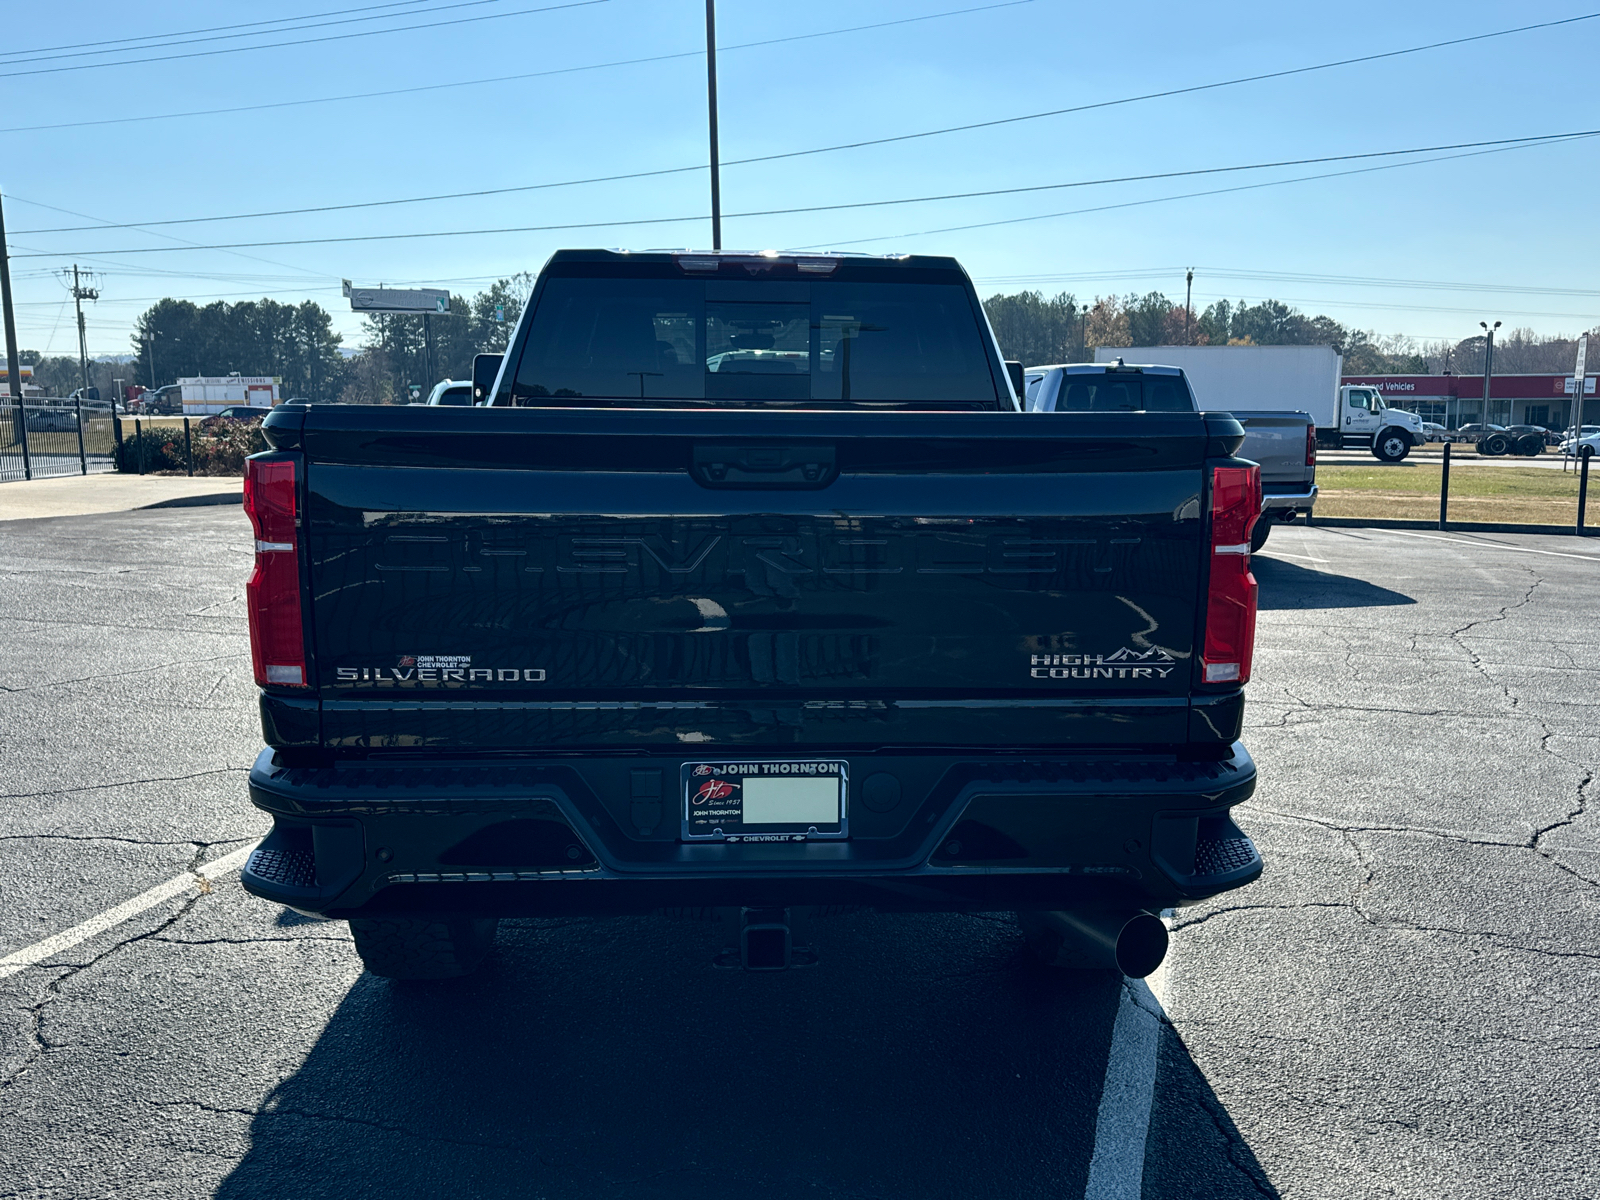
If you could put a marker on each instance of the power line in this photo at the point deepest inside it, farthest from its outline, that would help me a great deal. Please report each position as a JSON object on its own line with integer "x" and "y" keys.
{"x": 332, "y": 37}
{"x": 183, "y": 242}
{"x": 1245, "y": 187}
{"x": 434, "y": 87}
{"x": 1183, "y": 91}
{"x": 1040, "y": 187}
{"x": 209, "y": 29}
{"x": 1298, "y": 277}
{"x": 1500, "y": 145}
{"x": 1567, "y": 316}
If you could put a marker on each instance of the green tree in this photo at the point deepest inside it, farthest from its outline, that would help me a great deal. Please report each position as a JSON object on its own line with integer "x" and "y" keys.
{"x": 470, "y": 329}
{"x": 294, "y": 342}
{"x": 1035, "y": 331}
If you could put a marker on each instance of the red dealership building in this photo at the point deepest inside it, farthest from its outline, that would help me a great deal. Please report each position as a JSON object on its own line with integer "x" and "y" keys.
{"x": 1456, "y": 400}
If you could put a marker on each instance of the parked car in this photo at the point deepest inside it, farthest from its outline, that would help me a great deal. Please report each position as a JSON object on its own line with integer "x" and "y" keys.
{"x": 1434, "y": 432}
{"x": 452, "y": 392}
{"x": 1584, "y": 446}
{"x": 167, "y": 400}
{"x": 244, "y": 412}
{"x": 56, "y": 418}
{"x": 860, "y": 633}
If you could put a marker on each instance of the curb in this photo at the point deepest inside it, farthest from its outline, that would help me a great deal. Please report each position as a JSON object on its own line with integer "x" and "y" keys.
{"x": 196, "y": 501}
{"x": 1450, "y": 526}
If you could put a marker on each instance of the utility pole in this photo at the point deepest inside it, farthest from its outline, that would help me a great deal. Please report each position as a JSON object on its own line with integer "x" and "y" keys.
{"x": 81, "y": 293}
{"x": 1188, "y": 295}
{"x": 1488, "y": 365}
{"x": 711, "y": 98}
{"x": 13, "y": 363}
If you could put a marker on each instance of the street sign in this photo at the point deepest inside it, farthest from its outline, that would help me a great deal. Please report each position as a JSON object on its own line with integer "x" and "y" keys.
{"x": 399, "y": 300}
{"x": 500, "y": 313}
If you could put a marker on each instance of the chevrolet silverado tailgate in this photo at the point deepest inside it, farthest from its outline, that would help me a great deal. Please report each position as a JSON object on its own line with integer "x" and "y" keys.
{"x": 507, "y": 578}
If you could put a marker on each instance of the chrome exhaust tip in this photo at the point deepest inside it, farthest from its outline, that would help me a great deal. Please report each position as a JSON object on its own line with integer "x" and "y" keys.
{"x": 1134, "y": 943}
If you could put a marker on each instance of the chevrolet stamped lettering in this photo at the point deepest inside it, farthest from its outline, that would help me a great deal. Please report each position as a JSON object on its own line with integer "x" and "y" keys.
{"x": 712, "y": 554}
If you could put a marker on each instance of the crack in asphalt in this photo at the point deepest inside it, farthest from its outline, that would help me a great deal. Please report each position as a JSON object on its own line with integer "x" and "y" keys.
{"x": 1398, "y": 925}
{"x": 1503, "y": 614}
{"x": 132, "y": 841}
{"x": 186, "y": 662}
{"x": 99, "y": 787}
{"x": 52, "y": 991}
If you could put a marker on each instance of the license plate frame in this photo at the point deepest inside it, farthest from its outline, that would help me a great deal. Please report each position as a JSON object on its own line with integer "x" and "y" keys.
{"x": 713, "y": 797}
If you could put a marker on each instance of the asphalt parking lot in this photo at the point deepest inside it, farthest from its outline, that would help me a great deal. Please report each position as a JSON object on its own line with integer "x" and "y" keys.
{"x": 1404, "y": 1006}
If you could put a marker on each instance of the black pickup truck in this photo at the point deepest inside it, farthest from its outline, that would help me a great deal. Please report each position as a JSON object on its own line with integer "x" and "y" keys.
{"x": 750, "y": 592}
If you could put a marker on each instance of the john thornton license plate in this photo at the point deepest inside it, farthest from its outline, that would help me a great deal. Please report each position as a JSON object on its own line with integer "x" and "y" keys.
{"x": 791, "y": 800}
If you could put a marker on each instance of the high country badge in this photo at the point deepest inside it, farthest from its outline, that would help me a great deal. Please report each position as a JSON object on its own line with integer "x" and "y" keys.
{"x": 1125, "y": 663}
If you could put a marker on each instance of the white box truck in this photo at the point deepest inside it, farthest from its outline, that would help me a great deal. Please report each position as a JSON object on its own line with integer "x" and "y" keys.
{"x": 207, "y": 394}
{"x": 1249, "y": 379}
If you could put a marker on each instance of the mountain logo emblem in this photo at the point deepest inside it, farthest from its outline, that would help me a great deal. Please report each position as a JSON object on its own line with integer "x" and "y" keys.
{"x": 1153, "y": 655}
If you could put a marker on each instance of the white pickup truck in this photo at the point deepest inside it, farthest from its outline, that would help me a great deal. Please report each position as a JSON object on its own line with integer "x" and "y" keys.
{"x": 1288, "y": 379}
{"x": 1283, "y": 443}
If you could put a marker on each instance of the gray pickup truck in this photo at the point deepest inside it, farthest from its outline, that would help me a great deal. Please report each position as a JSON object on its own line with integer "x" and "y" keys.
{"x": 1284, "y": 443}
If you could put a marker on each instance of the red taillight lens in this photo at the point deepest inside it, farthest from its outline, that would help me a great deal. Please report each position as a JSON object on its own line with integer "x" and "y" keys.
{"x": 277, "y": 644}
{"x": 1311, "y": 445}
{"x": 1231, "y": 602}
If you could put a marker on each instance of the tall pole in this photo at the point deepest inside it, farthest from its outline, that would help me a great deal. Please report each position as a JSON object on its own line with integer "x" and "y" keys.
{"x": 1188, "y": 295}
{"x": 711, "y": 99}
{"x": 1488, "y": 364}
{"x": 79, "y": 295}
{"x": 13, "y": 363}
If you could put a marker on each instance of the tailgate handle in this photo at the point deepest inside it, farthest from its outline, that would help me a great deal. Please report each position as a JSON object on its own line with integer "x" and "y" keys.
{"x": 769, "y": 465}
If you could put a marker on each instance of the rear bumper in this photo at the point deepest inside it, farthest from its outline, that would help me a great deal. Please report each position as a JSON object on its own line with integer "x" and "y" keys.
{"x": 1299, "y": 499}
{"x": 560, "y": 835}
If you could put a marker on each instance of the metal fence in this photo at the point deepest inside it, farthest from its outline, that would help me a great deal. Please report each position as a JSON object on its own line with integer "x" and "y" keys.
{"x": 43, "y": 438}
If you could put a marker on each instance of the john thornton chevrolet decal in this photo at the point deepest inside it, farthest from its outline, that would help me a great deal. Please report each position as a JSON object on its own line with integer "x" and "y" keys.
{"x": 1125, "y": 663}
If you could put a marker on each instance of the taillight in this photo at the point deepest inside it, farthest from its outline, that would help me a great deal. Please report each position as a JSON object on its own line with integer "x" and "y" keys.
{"x": 1231, "y": 601}
{"x": 1311, "y": 445}
{"x": 277, "y": 643}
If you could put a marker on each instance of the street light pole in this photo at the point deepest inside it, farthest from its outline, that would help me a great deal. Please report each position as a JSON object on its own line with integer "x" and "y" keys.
{"x": 1188, "y": 295}
{"x": 711, "y": 98}
{"x": 1488, "y": 365}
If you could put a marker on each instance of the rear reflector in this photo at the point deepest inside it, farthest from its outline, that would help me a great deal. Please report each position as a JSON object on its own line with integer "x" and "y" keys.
{"x": 272, "y": 597}
{"x": 1231, "y": 600}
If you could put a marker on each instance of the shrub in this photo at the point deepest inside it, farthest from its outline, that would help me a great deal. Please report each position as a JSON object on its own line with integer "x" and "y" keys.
{"x": 219, "y": 446}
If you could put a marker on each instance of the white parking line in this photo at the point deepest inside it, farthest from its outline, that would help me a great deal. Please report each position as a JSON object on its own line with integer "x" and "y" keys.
{"x": 1116, "y": 1170}
{"x": 127, "y": 910}
{"x": 1433, "y": 537}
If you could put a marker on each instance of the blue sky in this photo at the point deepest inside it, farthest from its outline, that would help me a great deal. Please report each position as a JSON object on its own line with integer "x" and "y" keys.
{"x": 1512, "y": 228}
